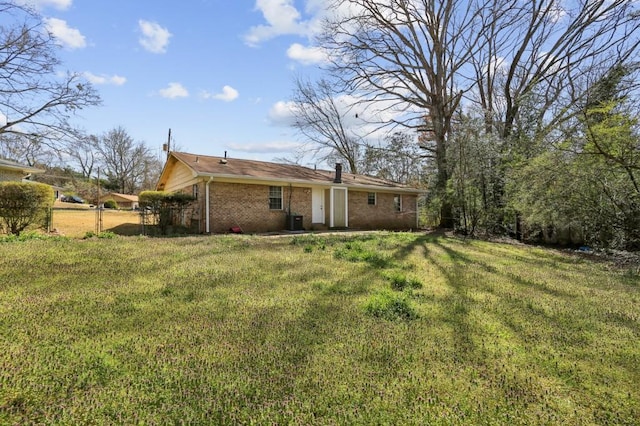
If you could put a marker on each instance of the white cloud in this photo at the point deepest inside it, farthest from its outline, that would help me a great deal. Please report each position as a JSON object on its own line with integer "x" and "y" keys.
{"x": 358, "y": 118}
{"x": 173, "y": 91}
{"x": 67, "y": 36}
{"x": 558, "y": 13}
{"x": 154, "y": 37}
{"x": 228, "y": 94}
{"x": 266, "y": 148}
{"x": 307, "y": 55}
{"x": 41, "y": 4}
{"x": 282, "y": 18}
{"x": 282, "y": 114}
{"x": 115, "y": 80}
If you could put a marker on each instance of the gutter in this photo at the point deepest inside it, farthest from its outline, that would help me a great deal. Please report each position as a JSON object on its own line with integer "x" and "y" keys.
{"x": 207, "y": 206}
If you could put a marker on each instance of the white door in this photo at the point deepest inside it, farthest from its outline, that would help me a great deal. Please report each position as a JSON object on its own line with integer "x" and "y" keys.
{"x": 339, "y": 203}
{"x": 317, "y": 205}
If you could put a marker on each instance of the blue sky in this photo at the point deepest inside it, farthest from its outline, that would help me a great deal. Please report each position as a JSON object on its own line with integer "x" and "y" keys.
{"x": 217, "y": 72}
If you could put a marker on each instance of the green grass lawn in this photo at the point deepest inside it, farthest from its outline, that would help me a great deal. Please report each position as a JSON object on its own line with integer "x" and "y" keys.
{"x": 378, "y": 328}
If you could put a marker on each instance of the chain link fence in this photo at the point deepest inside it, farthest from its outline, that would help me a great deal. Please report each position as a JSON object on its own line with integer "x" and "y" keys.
{"x": 18, "y": 221}
{"x": 170, "y": 220}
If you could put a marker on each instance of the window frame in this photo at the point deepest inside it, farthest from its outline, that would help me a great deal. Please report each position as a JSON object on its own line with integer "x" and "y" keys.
{"x": 397, "y": 203}
{"x": 369, "y": 199}
{"x": 274, "y": 199}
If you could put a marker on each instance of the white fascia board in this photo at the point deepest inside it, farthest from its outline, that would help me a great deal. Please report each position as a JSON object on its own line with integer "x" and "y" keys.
{"x": 240, "y": 178}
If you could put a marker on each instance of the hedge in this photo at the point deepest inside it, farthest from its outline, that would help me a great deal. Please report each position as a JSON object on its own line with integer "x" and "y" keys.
{"x": 24, "y": 204}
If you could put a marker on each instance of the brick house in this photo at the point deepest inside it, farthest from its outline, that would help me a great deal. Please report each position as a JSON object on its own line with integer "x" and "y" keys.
{"x": 259, "y": 196}
{"x": 12, "y": 171}
{"x": 124, "y": 201}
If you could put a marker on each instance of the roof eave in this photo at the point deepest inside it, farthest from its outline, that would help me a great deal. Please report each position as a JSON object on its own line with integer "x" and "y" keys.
{"x": 309, "y": 182}
{"x": 22, "y": 169}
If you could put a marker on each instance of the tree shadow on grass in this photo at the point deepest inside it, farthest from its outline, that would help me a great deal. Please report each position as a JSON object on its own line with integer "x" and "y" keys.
{"x": 420, "y": 243}
{"x": 540, "y": 315}
{"x": 126, "y": 229}
{"x": 458, "y": 303}
{"x": 280, "y": 354}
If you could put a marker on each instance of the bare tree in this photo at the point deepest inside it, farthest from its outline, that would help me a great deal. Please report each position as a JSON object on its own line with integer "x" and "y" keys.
{"x": 322, "y": 118}
{"x": 127, "y": 163}
{"x": 408, "y": 55}
{"x": 83, "y": 151}
{"x": 150, "y": 172}
{"x": 36, "y": 98}
{"x": 27, "y": 149}
{"x": 538, "y": 60}
{"x": 546, "y": 49}
{"x": 397, "y": 159}
{"x": 418, "y": 58}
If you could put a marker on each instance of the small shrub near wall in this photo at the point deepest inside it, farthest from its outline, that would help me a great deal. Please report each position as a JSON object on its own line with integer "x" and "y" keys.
{"x": 110, "y": 204}
{"x": 163, "y": 209}
{"x": 24, "y": 205}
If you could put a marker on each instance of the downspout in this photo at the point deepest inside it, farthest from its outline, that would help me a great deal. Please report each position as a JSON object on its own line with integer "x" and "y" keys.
{"x": 417, "y": 213}
{"x": 207, "y": 205}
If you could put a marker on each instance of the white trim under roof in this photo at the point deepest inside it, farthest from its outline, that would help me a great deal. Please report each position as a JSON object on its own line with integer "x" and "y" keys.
{"x": 232, "y": 178}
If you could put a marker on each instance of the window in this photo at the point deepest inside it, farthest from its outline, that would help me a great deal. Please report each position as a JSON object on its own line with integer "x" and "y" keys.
{"x": 195, "y": 191}
{"x": 275, "y": 198}
{"x": 397, "y": 203}
{"x": 371, "y": 199}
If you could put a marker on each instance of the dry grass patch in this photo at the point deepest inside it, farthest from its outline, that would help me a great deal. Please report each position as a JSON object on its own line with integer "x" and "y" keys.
{"x": 76, "y": 222}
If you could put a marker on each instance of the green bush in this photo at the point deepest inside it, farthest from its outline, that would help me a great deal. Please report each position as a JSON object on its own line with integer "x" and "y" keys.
{"x": 105, "y": 235}
{"x": 162, "y": 207}
{"x": 31, "y": 236}
{"x": 400, "y": 282}
{"x": 108, "y": 235}
{"x": 110, "y": 204}
{"x": 390, "y": 306}
{"x": 355, "y": 252}
{"x": 151, "y": 199}
{"x": 24, "y": 204}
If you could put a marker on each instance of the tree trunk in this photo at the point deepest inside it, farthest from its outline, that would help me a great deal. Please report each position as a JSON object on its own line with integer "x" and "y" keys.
{"x": 446, "y": 207}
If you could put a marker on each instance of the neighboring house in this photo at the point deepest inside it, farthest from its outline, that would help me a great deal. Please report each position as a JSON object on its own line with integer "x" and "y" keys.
{"x": 124, "y": 201}
{"x": 10, "y": 170}
{"x": 58, "y": 192}
{"x": 257, "y": 196}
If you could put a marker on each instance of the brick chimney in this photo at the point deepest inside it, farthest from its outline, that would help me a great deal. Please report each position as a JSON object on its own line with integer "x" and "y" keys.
{"x": 338, "y": 178}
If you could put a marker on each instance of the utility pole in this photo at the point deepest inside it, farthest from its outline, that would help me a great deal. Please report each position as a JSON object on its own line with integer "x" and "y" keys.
{"x": 98, "y": 207}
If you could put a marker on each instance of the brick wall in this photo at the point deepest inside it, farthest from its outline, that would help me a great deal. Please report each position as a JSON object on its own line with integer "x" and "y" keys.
{"x": 247, "y": 206}
{"x": 382, "y": 215}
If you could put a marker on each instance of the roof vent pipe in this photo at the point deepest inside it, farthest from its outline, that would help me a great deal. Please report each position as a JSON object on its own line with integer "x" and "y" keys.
{"x": 338, "y": 178}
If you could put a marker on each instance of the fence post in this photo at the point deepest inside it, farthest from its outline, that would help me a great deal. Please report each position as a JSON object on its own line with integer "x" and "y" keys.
{"x": 49, "y": 219}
